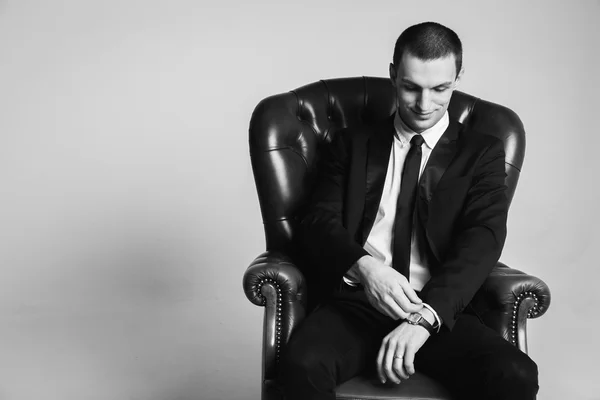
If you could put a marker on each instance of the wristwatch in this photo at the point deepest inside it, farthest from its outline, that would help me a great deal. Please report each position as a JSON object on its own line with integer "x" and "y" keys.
{"x": 417, "y": 319}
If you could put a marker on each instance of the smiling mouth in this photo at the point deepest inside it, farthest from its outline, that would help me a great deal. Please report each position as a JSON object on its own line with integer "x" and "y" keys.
{"x": 423, "y": 114}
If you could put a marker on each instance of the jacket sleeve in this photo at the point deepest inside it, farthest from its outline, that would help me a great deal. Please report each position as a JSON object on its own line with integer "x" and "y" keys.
{"x": 324, "y": 239}
{"x": 477, "y": 239}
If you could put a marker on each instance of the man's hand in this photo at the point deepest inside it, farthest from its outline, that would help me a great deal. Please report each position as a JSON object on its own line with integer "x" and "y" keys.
{"x": 387, "y": 290}
{"x": 396, "y": 357}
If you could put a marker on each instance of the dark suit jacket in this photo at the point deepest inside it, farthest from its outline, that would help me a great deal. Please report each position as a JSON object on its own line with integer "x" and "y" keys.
{"x": 461, "y": 209}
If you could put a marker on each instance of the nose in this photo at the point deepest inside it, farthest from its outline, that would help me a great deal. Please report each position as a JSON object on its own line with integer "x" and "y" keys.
{"x": 424, "y": 101}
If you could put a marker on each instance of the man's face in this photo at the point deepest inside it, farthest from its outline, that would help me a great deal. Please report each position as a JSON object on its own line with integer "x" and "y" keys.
{"x": 423, "y": 89}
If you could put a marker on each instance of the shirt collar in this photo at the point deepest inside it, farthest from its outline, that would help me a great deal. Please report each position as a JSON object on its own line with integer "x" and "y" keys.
{"x": 431, "y": 136}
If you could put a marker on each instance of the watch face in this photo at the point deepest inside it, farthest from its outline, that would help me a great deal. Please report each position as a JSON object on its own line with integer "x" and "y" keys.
{"x": 414, "y": 318}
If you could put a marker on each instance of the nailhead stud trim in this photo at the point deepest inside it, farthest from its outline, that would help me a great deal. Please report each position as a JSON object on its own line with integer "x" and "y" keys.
{"x": 277, "y": 315}
{"x": 530, "y": 314}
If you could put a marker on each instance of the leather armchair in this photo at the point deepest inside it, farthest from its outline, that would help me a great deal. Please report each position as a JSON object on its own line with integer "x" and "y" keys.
{"x": 286, "y": 132}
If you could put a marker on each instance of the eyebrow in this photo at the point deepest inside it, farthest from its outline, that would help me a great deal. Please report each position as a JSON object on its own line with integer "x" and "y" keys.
{"x": 414, "y": 84}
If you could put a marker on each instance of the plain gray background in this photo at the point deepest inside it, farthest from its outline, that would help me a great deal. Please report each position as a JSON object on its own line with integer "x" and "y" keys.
{"x": 128, "y": 211}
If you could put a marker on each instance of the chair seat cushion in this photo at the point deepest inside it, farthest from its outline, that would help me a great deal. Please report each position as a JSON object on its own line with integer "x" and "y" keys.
{"x": 418, "y": 387}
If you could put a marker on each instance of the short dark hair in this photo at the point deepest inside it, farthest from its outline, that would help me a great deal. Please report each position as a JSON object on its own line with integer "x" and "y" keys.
{"x": 429, "y": 41}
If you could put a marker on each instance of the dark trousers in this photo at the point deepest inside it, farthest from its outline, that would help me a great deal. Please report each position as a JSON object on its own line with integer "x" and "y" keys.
{"x": 341, "y": 338}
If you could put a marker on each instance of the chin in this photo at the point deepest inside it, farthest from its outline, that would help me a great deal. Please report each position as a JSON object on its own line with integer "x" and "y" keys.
{"x": 420, "y": 126}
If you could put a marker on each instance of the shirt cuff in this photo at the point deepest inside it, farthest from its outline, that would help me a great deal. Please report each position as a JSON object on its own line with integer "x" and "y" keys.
{"x": 435, "y": 315}
{"x": 349, "y": 281}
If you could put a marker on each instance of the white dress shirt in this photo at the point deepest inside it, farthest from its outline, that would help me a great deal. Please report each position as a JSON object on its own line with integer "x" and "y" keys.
{"x": 379, "y": 243}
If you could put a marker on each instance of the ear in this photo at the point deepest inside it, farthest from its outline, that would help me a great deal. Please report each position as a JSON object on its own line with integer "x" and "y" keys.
{"x": 458, "y": 78}
{"x": 393, "y": 74}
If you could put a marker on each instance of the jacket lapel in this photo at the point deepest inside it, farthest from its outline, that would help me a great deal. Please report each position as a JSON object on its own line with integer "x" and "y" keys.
{"x": 379, "y": 146}
{"x": 437, "y": 164}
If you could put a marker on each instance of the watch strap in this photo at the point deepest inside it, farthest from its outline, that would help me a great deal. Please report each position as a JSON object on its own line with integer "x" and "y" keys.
{"x": 421, "y": 322}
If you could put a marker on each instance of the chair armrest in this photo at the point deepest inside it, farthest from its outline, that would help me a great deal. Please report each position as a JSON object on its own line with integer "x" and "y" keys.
{"x": 273, "y": 281}
{"x": 507, "y": 298}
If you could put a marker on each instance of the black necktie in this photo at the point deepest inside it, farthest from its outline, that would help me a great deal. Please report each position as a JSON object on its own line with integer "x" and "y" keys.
{"x": 405, "y": 207}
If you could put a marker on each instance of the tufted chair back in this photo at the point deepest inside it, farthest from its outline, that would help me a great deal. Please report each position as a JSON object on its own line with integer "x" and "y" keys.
{"x": 288, "y": 129}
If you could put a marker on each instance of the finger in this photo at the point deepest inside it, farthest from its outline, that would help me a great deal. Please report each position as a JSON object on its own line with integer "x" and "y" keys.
{"x": 387, "y": 306}
{"x": 409, "y": 361}
{"x": 379, "y": 361}
{"x": 405, "y": 304}
{"x": 388, "y": 367}
{"x": 393, "y": 309}
{"x": 410, "y": 292}
{"x": 412, "y": 295}
{"x": 399, "y": 367}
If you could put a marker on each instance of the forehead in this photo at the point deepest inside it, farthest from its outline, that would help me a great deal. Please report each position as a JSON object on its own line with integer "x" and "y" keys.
{"x": 429, "y": 73}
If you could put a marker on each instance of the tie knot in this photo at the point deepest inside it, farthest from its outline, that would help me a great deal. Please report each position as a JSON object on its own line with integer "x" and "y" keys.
{"x": 417, "y": 140}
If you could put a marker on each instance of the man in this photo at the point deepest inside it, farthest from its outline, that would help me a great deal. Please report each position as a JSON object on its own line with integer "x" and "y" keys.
{"x": 409, "y": 218}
